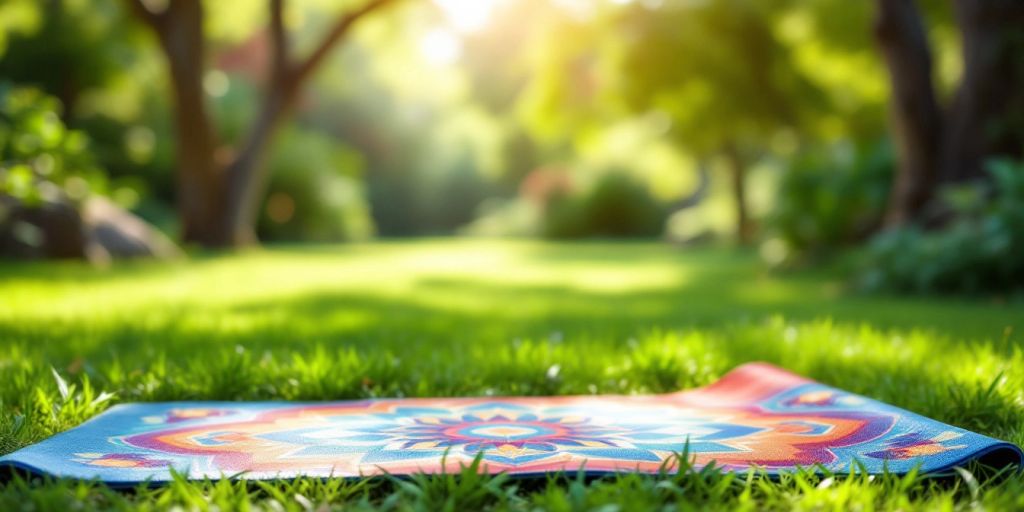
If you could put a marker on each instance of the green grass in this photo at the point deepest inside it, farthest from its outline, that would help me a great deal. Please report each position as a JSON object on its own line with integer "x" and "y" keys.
{"x": 455, "y": 318}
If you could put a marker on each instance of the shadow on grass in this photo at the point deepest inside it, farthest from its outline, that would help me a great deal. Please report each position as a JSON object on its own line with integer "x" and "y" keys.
{"x": 540, "y": 328}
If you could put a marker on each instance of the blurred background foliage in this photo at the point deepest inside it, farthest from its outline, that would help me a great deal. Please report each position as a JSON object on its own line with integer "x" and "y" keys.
{"x": 43, "y": 159}
{"x": 692, "y": 121}
{"x": 978, "y": 251}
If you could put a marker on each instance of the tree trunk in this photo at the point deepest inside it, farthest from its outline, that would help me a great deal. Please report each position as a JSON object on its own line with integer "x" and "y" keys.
{"x": 986, "y": 118}
{"x": 200, "y": 181}
{"x": 218, "y": 201}
{"x": 738, "y": 182}
{"x": 247, "y": 174}
{"x": 914, "y": 111}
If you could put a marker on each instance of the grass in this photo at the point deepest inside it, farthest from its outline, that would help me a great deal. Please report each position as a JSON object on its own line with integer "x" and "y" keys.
{"x": 447, "y": 318}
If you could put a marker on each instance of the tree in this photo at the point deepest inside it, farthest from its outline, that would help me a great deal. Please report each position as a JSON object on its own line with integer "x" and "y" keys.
{"x": 915, "y": 113}
{"x": 718, "y": 71}
{"x": 218, "y": 196}
{"x": 986, "y": 117}
{"x": 712, "y": 73}
{"x": 73, "y": 39}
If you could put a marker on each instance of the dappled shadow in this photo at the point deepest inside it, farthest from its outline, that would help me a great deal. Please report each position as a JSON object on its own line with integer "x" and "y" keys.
{"x": 711, "y": 290}
{"x": 519, "y": 319}
{"x": 502, "y": 339}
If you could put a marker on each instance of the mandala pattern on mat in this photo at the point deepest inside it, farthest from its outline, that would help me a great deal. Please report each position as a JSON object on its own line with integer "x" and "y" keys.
{"x": 757, "y": 416}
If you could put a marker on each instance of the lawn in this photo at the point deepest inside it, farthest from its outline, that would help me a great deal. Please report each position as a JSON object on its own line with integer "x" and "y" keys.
{"x": 461, "y": 318}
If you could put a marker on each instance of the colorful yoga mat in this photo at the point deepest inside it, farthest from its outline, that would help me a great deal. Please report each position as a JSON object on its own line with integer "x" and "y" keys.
{"x": 756, "y": 416}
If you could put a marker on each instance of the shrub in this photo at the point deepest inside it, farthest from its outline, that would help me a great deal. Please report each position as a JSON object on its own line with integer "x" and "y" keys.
{"x": 979, "y": 251}
{"x": 616, "y": 206}
{"x": 829, "y": 198}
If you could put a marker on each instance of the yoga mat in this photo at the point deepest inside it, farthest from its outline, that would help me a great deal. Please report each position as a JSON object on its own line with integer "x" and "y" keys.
{"x": 756, "y": 416}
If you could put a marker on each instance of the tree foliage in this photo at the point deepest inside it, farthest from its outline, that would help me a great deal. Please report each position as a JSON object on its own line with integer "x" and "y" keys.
{"x": 41, "y": 160}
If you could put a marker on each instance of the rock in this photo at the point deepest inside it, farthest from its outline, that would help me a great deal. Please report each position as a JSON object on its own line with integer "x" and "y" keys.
{"x": 112, "y": 232}
{"x": 52, "y": 230}
{"x": 98, "y": 231}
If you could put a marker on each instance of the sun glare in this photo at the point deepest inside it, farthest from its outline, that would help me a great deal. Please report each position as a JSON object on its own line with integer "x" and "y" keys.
{"x": 440, "y": 47}
{"x": 468, "y": 15}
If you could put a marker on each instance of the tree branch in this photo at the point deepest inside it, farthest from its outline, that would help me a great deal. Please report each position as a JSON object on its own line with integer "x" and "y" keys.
{"x": 340, "y": 28}
{"x": 279, "y": 42}
{"x": 246, "y": 174}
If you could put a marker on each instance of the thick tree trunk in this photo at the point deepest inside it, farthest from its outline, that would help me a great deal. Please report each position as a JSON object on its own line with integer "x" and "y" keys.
{"x": 738, "y": 184}
{"x": 986, "y": 118}
{"x": 201, "y": 183}
{"x": 914, "y": 111}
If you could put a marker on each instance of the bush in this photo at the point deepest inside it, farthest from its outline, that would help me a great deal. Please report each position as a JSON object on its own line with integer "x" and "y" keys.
{"x": 314, "y": 193}
{"x": 830, "y": 198}
{"x": 978, "y": 252}
{"x": 41, "y": 160}
{"x": 616, "y": 206}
